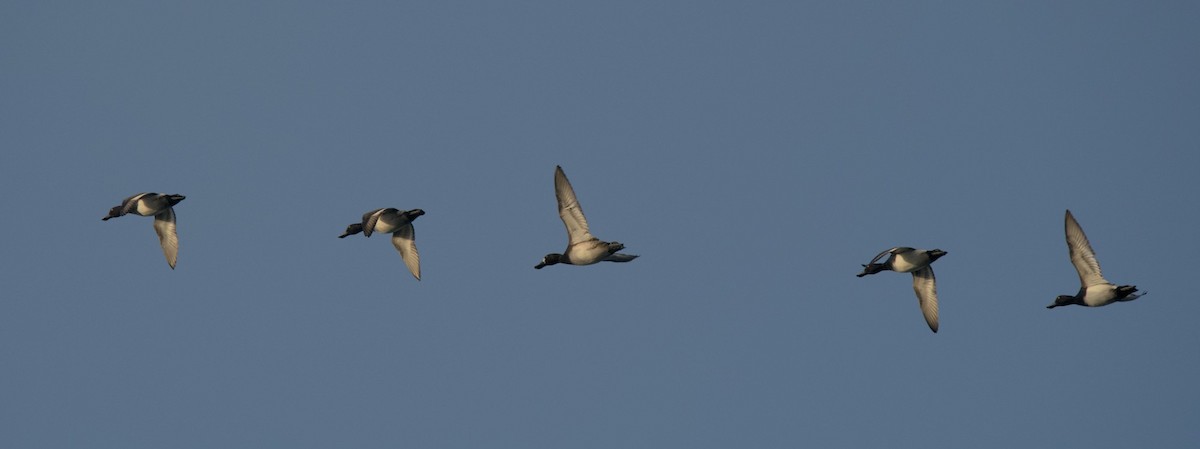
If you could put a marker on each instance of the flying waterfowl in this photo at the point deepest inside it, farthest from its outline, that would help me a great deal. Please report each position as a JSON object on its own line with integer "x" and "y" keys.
{"x": 582, "y": 247}
{"x": 903, "y": 259}
{"x": 160, "y": 207}
{"x": 1094, "y": 290}
{"x": 399, "y": 224}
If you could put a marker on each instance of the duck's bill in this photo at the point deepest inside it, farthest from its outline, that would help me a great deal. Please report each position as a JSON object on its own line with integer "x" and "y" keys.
{"x": 539, "y": 265}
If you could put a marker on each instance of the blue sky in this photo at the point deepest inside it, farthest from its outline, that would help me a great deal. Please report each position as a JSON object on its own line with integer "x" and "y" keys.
{"x": 753, "y": 153}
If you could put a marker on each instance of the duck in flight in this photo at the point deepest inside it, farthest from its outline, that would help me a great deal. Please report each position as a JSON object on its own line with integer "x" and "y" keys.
{"x": 902, "y": 259}
{"x": 399, "y": 224}
{"x": 582, "y": 247}
{"x": 161, "y": 208}
{"x": 1094, "y": 290}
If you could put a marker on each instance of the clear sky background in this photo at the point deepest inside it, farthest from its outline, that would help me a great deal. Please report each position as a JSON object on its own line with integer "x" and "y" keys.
{"x": 753, "y": 153}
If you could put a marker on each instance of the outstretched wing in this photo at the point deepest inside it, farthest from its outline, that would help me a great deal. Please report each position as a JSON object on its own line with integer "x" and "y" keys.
{"x": 569, "y": 210}
{"x": 1082, "y": 255}
{"x": 926, "y": 287}
{"x": 404, "y": 241}
{"x": 164, "y": 225}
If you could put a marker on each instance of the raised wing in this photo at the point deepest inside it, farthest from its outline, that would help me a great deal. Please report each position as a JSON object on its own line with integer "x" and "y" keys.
{"x": 370, "y": 219}
{"x": 569, "y": 210}
{"x": 895, "y": 250}
{"x": 164, "y": 225}
{"x": 926, "y": 287}
{"x": 1082, "y": 255}
{"x": 404, "y": 241}
{"x": 130, "y": 204}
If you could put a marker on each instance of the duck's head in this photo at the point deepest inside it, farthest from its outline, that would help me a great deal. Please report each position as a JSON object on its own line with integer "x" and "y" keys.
{"x": 416, "y": 213}
{"x": 550, "y": 259}
{"x": 174, "y": 199}
{"x": 113, "y": 213}
{"x": 354, "y": 228}
{"x": 872, "y": 269}
{"x": 1063, "y": 300}
{"x": 934, "y": 254}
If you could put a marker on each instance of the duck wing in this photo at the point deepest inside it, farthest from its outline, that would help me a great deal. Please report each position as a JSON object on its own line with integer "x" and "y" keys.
{"x": 618, "y": 257}
{"x": 370, "y": 219}
{"x": 895, "y": 250}
{"x": 164, "y": 225}
{"x": 925, "y": 285}
{"x": 569, "y": 210}
{"x": 1082, "y": 255}
{"x": 404, "y": 239}
{"x": 130, "y": 204}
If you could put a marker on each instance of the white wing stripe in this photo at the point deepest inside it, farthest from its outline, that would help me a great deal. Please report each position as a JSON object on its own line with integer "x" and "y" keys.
{"x": 404, "y": 239}
{"x": 164, "y": 225}
{"x": 1082, "y": 255}
{"x": 925, "y": 285}
{"x": 569, "y": 209}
